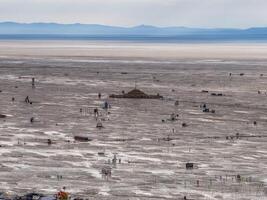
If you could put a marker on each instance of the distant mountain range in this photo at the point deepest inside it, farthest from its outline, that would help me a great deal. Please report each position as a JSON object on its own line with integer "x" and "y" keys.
{"x": 94, "y": 30}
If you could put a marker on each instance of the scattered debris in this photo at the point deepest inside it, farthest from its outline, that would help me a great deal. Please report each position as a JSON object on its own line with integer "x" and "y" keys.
{"x": 174, "y": 117}
{"x": 206, "y": 109}
{"x": 167, "y": 139}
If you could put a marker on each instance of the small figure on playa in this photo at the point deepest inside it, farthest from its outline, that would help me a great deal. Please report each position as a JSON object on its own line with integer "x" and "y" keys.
{"x": 27, "y": 99}
{"x": 96, "y": 112}
{"x": 114, "y": 160}
{"x": 33, "y": 82}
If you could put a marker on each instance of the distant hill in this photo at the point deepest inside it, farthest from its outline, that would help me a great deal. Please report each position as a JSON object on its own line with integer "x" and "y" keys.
{"x": 95, "y": 30}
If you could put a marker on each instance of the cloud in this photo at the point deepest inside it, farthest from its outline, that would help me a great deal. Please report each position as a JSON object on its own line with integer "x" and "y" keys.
{"x": 193, "y": 13}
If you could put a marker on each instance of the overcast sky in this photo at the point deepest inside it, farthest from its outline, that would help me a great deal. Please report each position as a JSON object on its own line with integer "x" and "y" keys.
{"x": 191, "y": 13}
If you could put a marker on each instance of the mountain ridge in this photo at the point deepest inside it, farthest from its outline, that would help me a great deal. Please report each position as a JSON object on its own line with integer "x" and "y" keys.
{"x": 98, "y": 30}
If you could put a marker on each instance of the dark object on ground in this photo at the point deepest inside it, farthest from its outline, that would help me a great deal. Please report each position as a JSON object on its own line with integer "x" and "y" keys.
{"x": 2, "y": 116}
{"x": 82, "y": 138}
{"x": 32, "y": 119}
{"x": 174, "y": 117}
{"x": 217, "y": 94}
{"x": 124, "y": 73}
{"x": 49, "y": 141}
{"x": 32, "y": 196}
{"x": 189, "y": 165}
{"x": 136, "y": 94}
{"x": 184, "y": 125}
{"x": 48, "y": 198}
{"x": 101, "y": 153}
{"x": 255, "y": 123}
{"x": 205, "y": 91}
{"x": 241, "y": 74}
{"x": 13, "y": 98}
{"x": 206, "y": 110}
{"x": 167, "y": 138}
{"x": 203, "y": 106}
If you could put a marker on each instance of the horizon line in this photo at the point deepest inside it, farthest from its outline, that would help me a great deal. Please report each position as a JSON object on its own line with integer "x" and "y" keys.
{"x": 133, "y": 26}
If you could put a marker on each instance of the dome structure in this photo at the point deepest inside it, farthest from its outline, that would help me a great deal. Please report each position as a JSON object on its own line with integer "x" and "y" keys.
{"x": 136, "y": 94}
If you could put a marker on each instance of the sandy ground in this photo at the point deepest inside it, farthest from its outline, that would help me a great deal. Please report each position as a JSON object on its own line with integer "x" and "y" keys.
{"x": 151, "y": 167}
